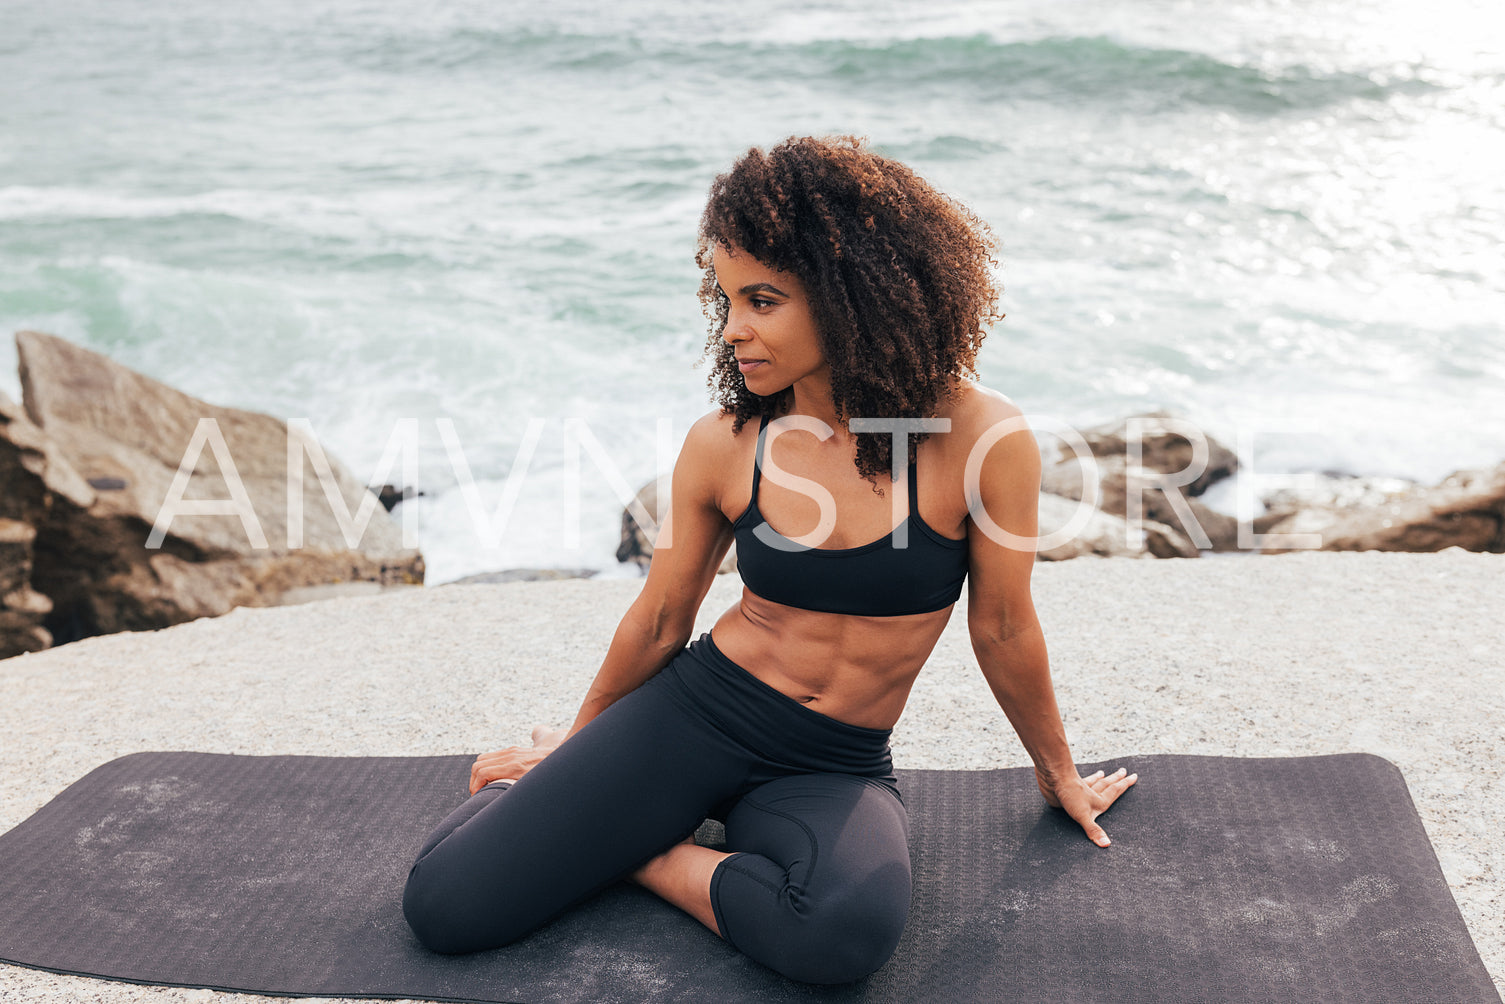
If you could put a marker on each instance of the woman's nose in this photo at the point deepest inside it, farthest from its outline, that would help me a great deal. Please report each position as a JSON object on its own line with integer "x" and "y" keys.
{"x": 735, "y": 330}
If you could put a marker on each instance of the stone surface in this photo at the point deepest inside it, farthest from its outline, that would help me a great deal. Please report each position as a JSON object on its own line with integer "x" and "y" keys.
{"x": 1293, "y": 655}
{"x": 336, "y": 591}
{"x": 1466, "y": 509}
{"x": 90, "y": 420}
{"x": 524, "y": 575}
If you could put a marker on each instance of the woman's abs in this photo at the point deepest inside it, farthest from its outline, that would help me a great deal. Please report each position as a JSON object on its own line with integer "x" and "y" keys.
{"x": 854, "y": 669}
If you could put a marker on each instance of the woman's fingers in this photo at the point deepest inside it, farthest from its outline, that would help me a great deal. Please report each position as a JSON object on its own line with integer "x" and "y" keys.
{"x": 1106, "y": 788}
{"x": 488, "y": 767}
{"x": 1115, "y": 784}
{"x": 1100, "y": 783}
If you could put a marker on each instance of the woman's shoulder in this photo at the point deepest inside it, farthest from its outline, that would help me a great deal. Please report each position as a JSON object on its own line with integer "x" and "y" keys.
{"x": 718, "y": 459}
{"x": 976, "y": 410}
{"x": 715, "y": 432}
{"x": 713, "y": 442}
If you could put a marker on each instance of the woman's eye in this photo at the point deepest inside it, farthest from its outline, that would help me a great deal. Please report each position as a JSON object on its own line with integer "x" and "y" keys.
{"x": 760, "y": 302}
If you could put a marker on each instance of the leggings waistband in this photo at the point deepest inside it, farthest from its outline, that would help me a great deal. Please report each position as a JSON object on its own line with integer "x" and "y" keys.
{"x": 763, "y": 718}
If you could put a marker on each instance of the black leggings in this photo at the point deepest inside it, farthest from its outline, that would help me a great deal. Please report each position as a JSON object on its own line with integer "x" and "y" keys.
{"x": 816, "y": 887}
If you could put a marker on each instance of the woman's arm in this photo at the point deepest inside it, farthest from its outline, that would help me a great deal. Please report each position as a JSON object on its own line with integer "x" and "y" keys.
{"x": 1006, "y": 634}
{"x": 691, "y": 544}
{"x": 692, "y": 541}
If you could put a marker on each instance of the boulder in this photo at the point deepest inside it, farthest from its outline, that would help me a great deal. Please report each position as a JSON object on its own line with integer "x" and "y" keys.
{"x": 1104, "y": 535}
{"x": 1164, "y": 447}
{"x": 1466, "y": 509}
{"x": 1208, "y": 529}
{"x": 637, "y": 544}
{"x": 112, "y": 444}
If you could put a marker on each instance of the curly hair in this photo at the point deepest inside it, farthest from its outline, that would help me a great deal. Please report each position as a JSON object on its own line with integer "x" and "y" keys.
{"x": 897, "y": 275}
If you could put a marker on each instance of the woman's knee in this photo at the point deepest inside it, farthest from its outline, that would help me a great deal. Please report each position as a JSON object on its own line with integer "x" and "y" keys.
{"x": 846, "y": 937}
{"x": 450, "y": 914}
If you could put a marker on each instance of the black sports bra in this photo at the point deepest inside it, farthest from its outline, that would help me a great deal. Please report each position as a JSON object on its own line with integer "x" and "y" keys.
{"x": 876, "y": 578}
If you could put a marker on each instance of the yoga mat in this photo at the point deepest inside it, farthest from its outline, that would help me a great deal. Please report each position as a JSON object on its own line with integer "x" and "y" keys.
{"x": 1305, "y": 879}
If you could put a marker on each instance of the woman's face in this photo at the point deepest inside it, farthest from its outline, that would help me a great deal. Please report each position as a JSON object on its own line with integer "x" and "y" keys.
{"x": 769, "y": 323}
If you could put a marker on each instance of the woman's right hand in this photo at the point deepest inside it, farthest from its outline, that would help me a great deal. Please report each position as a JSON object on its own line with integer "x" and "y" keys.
{"x": 514, "y": 761}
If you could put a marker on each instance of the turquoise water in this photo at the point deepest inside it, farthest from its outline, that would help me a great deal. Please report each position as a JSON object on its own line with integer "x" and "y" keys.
{"x": 1270, "y": 217}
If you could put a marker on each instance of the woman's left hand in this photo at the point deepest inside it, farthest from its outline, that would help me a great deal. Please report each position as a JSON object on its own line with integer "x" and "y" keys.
{"x": 1086, "y": 798}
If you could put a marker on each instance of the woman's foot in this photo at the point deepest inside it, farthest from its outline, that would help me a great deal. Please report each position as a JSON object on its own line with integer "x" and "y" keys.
{"x": 658, "y": 862}
{"x": 682, "y": 875}
{"x": 544, "y": 735}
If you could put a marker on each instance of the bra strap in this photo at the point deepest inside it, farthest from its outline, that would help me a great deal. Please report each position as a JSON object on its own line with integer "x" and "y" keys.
{"x": 758, "y": 459}
{"x": 914, "y": 489}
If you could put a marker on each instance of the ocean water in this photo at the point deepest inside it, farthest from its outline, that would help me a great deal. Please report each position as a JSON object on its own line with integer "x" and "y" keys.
{"x": 1282, "y": 220}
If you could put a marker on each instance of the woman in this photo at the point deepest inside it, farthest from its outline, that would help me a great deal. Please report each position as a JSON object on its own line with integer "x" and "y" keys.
{"x": 841, "y": 287}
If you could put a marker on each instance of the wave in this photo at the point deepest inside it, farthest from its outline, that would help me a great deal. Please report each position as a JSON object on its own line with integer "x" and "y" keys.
{"x": 1095, "y": 66}
{"x": 1060, "y": 68}
{"x": 361, "y": 217}
{"x": 19, "y": 202}
{"x": 485, "y": 48}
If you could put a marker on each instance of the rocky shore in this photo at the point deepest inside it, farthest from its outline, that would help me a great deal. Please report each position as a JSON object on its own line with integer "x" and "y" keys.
{"x": 114, "y": 513}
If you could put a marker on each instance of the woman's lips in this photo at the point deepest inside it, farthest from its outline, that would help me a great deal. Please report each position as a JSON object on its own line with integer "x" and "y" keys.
{"x": 748, "y": 364}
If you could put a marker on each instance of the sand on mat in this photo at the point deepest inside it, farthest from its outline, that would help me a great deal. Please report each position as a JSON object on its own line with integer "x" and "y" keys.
{"x": 1394, "y": 654}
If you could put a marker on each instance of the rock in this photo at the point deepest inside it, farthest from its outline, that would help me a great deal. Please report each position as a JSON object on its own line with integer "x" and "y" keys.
{"x": 21, "y": 607}
{"x": 391, "y": 495}
{"x": 1208, "y": 529}
{"x": 1104, "y": 535}
{"x": 637, "y": 545}
{"x": 1164, "y": 541}
{"x": 1467, "y": 510}
{"x": 1166, "y": 451}
{"x": 93, "y": 421}
{"x": 33, "y": 480}
{"x": 1164, "y": 447}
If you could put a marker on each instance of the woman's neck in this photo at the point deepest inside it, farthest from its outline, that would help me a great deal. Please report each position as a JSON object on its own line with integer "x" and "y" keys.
{"x": 813, "y": 399}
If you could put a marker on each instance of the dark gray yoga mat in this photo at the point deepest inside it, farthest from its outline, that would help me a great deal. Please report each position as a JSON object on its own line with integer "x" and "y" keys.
{"x": 1305, "y": 879}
